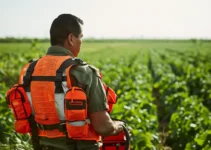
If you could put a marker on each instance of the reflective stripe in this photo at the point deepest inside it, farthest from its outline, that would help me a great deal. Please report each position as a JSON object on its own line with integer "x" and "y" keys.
{"x": 30, "y": 100}
{"x": 79, "y": 123}
{"x": 59, "y": 100}
{"x": 59, "y": 103}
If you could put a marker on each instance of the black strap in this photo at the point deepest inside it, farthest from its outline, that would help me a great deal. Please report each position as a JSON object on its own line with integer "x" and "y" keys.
{"x": 30, "y": 70}
{"x": 35, "y": 138}
{"x": 60, "y": 126}
{"x": 44, "y": 78}
{"x": 47, "y": 78}
{"x": 59, "y": 72}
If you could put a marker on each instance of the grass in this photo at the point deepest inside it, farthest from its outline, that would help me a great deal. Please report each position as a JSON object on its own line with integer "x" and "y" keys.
{"x": 92, "y": 51}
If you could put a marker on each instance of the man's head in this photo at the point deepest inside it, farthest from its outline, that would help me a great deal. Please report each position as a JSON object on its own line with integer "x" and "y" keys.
{"x": 66, "y": 31}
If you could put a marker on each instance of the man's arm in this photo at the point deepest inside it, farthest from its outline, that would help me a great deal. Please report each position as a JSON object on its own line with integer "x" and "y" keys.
{"x": 98, "y": 115}
{"x": 97, "y": 103}
{"x": 103, "y": 124}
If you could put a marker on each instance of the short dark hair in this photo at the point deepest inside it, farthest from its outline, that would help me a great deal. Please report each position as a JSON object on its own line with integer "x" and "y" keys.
{"x": 62, "y": 26}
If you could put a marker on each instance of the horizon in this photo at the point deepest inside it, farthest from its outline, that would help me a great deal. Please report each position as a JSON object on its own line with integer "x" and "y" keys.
{"x": 91, "y": 38}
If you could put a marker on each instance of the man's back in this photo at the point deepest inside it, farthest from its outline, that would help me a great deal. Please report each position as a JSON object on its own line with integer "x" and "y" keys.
{"x": 81, "y": 75}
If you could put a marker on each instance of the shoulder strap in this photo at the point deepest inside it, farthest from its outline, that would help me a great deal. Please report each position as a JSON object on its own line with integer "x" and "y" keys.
{"x": 35, "y": 137}
{"x": 66, "y": 65}
{"x": 72, "y": 80}
{"x": 69, "y": 85}
{"x": 30, "y": 70}
{"x": 58, "y": 79}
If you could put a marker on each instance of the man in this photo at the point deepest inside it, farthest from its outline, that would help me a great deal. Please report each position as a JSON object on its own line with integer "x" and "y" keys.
{"x": 66, "y": 39}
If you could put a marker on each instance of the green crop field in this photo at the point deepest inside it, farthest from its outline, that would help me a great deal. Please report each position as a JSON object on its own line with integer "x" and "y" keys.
{"x": 164, "y": 89}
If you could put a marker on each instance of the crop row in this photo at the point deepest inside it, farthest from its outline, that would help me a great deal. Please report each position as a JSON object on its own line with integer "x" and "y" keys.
{"x": 182, "y": 85}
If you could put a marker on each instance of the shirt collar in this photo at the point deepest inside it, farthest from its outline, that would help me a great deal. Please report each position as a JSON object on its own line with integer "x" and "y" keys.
{"x": 59, "y": 51}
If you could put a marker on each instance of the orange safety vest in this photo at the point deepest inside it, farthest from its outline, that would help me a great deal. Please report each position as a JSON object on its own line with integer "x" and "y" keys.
{"x": 58, "y": 108}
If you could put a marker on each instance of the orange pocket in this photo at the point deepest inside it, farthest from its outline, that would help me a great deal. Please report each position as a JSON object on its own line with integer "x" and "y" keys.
{"x": 22, "y": 126}
{"x": 21, "y": 110}
{"x": 75, "y": 105}
{"x": 73, "y": 115}
{"x": 77, "y": 131}
{"x": 18, "y": 102}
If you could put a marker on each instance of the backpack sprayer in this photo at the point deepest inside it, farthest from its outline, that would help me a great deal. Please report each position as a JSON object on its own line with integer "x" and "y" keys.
{"x": 122, "y": 140}
{"x": 118, "y": 142}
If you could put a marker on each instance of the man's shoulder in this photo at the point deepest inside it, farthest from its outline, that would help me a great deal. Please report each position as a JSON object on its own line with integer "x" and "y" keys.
{"x": 83, "y": 67}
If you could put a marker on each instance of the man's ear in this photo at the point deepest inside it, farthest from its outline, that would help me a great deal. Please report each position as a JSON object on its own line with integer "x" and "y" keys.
{"x": 70, "y": 39}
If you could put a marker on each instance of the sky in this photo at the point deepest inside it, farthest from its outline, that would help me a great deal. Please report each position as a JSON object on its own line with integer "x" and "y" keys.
{"x": 109, "y": 18}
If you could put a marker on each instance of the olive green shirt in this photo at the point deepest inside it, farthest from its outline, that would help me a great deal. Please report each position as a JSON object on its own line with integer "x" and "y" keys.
{"x": 89, "y": 77}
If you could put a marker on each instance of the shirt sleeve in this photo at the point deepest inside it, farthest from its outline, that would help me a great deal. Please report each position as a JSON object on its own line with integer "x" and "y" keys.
{"x": 97, "y": 97}
{"x": 94, "y": 89}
